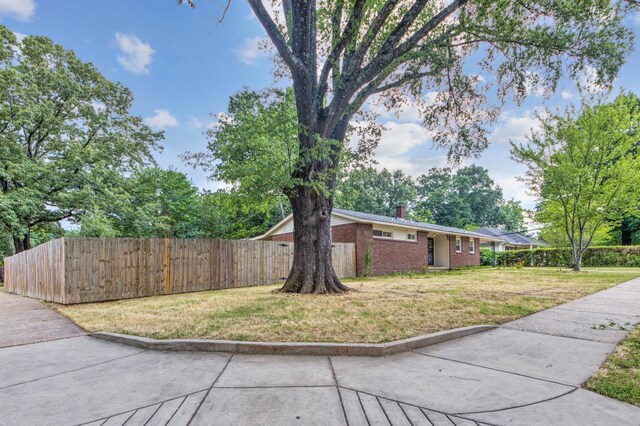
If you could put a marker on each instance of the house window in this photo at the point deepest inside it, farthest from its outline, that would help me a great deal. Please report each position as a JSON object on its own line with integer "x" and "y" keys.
{"x": 458, "y": 245}
{"x": 381, "y": 233}
{"x": 472, "y": 246}
{"x": 411, "y": 237}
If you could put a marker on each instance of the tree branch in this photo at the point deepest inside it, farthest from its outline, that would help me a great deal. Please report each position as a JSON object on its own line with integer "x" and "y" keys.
{"x": 295, "y": 64}
{"x": 350, "y": 31}
{"x": 390, "y": 51}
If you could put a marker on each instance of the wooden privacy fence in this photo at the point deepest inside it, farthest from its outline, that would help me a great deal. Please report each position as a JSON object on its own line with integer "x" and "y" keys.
{"x": 81, "y": 270}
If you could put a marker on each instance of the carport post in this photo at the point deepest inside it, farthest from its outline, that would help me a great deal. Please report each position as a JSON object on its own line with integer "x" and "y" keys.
{"x": 493, "y": 251}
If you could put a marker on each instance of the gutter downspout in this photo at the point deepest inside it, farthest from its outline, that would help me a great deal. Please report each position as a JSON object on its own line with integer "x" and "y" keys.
{"x": 449, "y": 249}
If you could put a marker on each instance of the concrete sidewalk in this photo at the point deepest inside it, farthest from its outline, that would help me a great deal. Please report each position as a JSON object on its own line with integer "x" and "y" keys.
{"x": 528, "y": 372}
{"x": 24, "y": 320}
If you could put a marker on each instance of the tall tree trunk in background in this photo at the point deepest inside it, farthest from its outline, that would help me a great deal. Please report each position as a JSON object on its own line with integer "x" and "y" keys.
{"x": 626, "y": 232}
{"x": 577, "y": 262}
{"x": 23, "y": 243}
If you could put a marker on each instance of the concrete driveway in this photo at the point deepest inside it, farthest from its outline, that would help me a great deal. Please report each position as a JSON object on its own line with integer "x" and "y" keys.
{"x": 528, "y": 372}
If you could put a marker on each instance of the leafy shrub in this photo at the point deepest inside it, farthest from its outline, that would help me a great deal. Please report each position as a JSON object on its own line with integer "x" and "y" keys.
{"x": 486, "y": 257}
{"x": 557, "y": 257}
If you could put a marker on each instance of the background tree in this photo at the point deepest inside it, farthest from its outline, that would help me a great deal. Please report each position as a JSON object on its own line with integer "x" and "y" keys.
{"x": 229, "y": 215}
{"x": 66, "y": 136}
{"x": 340, "y": 53}
{"x": 370, "y": 191}
{"x": 156, "y": 203}
{"x": 583, "y": 170}
{"x": 468, "y": 198}
{"x": 159, "y": 203}
{"x": 253, "y": 148}
{"x": 627, "y": 231}
{"x": 512, "y": 215}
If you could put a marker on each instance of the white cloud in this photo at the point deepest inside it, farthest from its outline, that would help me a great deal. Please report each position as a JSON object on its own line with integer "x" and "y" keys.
{"x": 405, "y": 112}
{"x": 399, "y": 138}
{"x": 516, "y": 189}
{"x": 251, "y": 52}
{"x": 636, "y": 19}
{"x": 19, "y": 36}
{"x": 196, "y": 123}
{"x": 589, "y": 80}
{"x": 413, "y": 165}
{"x": 515, "y": 128}
{"x": 161, "y": 119}
{"x": 135, "y": 54}
{"x": 566, "y": 94}
{"x": 20, "y": 10}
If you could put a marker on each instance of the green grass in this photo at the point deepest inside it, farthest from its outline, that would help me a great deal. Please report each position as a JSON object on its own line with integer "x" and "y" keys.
{"x": 619, "y": 376}
{"x": 378, "y": 309}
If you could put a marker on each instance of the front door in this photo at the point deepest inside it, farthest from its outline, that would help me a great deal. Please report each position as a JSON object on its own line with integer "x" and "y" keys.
{"x": 430, "y": 257}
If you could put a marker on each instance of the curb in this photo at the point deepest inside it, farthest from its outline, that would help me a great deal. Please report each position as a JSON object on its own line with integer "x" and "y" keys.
{"x": 293, "y": 348}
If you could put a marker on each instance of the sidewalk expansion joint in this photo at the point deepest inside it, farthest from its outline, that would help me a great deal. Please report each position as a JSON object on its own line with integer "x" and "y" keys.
{"x": 133, "y": 410}
{"x": 560, "y": 335}
{"x": 497, "y": 369}
{"x": 561, "y": 307}
{"x": 335, "y": 381}
{"x": 84, "y": 334}
{"x": 518, "y": 406}
{"x": 206, "y": 395}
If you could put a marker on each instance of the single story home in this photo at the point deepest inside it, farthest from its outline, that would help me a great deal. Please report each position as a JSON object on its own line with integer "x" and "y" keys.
{"x": 394, "y": 244}
{"x": 510, "y": 240}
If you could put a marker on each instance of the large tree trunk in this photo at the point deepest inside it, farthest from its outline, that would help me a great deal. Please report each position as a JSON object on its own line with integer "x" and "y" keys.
{"x": 23, "y": 243}
{"x": 576, "y": 266}
{"x": 577, "y": 257}
{"x": 312, "y": 270}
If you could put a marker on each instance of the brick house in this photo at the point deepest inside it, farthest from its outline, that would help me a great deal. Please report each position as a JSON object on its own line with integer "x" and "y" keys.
{"x": 394, "y": 244}
{"x": 510, "y": 240}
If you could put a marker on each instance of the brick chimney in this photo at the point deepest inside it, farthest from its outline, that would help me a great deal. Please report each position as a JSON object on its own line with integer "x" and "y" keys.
{"x": 400, "y": 212}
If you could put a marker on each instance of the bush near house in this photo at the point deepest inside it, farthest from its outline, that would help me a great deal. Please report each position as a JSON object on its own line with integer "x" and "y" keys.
{"x": 594, "y": 256}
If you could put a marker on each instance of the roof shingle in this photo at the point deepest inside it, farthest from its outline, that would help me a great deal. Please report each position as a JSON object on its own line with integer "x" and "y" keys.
{"x": 402, "y": 222}
{"x": 510, "y": 237}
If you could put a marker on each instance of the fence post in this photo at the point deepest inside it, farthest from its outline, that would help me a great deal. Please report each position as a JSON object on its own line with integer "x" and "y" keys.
{"x": 166, "y": 265}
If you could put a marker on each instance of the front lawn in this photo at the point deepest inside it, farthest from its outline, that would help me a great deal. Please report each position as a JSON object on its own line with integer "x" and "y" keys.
{"x": 378, "y": 310}
{"x": 619, "y": 376}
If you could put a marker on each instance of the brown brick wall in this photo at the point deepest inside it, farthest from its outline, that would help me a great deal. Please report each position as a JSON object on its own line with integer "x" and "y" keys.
{"x": 391, "y": 256}
{"x": 283, "y": 237}
{"x": 464, "y": 258}
{"x": 359, "y": 233}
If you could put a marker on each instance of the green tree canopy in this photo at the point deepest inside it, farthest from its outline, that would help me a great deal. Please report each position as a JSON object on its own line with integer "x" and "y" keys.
{"x": 66, "y": 135}
{"x": 466, "y": 198}
{"x": 230, "y": 215}
{"x": 157, "y": 203}
{"x": 584, "y": 170}
{"x": 253, "y": 146}
{"x": 368, "y": 190}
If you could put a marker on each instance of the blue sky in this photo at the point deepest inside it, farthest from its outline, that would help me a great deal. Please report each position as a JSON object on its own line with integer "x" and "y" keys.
{"x": 181, "y": 66}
